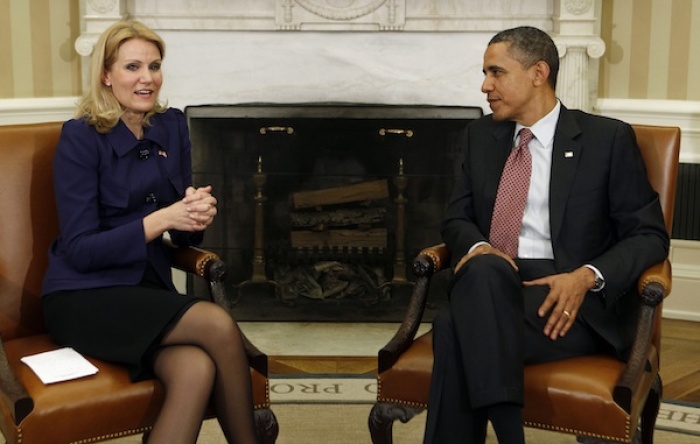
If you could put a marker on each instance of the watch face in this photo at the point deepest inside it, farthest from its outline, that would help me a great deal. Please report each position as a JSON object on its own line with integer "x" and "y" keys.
{"x": 599, "y": 282}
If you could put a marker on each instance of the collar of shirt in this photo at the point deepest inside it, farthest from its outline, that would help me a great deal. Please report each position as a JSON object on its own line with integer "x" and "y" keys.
{"x": 543, "y": 129}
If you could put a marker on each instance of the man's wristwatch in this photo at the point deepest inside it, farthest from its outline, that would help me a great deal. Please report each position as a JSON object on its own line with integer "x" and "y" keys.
{"x": 599, "y": 283}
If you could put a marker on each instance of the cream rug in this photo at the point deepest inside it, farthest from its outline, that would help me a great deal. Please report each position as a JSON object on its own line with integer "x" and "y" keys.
{"x": 347, "y": 424}
{"x": 333, "y": 410}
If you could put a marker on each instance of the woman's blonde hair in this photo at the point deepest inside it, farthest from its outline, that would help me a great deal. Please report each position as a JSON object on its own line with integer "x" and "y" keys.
{"x": 98, "y": 106}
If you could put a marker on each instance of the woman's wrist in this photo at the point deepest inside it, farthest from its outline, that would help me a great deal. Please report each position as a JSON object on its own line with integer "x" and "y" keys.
{"x": 154, "y": 224}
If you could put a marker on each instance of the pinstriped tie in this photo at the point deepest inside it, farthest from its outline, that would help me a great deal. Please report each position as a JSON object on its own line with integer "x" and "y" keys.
{"x": 510, "y": 200}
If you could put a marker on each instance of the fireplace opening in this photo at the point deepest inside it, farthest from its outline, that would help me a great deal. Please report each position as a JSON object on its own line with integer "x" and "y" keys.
{"x": 322, "y": 207}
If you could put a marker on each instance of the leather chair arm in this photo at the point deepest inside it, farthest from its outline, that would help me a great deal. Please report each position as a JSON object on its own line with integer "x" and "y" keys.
{"x": 196, "y": 261}
{"x": 659, "y": 277}
{"x": 429, "y": 261}
{"x": 13, "y": 391}
{"x": 210, "y": 267}
{"x": 653, "y": 286}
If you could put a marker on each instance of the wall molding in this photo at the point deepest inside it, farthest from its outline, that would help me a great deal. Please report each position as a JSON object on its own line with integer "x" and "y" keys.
{"x": 683, "y": 302}
{"x": 681, "y": 113}
{"x": 46, "y": 109}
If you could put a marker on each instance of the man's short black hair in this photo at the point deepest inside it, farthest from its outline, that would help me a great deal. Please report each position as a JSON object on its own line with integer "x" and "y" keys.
{"x": 530, "y": 45}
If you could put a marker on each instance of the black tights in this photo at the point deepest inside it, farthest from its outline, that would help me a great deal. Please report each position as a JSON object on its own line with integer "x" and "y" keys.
{"x": 201, "y": 359}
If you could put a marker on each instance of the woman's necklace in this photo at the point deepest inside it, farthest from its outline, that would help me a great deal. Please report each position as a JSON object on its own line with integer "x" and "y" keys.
{"x": 134, "y": 125}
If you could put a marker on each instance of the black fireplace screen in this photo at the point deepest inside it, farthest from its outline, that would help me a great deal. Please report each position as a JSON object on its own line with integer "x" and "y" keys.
{"x": 323, "y": 206}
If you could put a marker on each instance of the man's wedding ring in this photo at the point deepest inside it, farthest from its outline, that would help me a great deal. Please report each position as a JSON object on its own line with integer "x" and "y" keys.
{"x": 567, "y": 314}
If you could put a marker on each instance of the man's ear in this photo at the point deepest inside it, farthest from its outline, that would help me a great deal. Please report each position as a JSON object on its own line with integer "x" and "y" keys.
{"x": 541, "y": 73}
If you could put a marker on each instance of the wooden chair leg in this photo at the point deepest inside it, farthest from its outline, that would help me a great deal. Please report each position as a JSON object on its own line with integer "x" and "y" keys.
{"x": 651, "y": 411}
{"x": 382, "y": 417}
{"x": 266, "y": 425}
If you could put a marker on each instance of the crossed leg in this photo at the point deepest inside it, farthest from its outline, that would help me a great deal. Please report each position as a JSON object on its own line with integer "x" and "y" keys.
{"x": 203, "y": 358}
{"x": 187, "y": 373}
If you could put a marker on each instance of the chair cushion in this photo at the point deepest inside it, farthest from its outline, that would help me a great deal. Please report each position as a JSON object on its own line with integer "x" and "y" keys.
{"x": 576, "y": 396}
{"x": 116, "y": 406}
{"x": 565, "y": 395}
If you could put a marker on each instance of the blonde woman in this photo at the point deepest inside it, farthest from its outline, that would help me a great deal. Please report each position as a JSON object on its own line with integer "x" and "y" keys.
{"x": 122, "y": 180}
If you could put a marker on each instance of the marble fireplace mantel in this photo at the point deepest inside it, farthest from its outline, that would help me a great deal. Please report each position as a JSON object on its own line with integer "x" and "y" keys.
{"x": 358, "y": 51}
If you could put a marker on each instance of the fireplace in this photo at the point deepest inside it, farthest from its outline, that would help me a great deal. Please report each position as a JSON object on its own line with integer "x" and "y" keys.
{"x": 353, "y": 190}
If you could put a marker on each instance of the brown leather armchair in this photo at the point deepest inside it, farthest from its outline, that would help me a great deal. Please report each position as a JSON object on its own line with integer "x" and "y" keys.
{"x": 100, "y": 407}
{"x": 593, "y": 396}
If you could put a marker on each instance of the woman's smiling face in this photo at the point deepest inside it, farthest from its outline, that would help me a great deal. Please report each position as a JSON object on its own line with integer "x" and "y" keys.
{"x": 135, "y": 77}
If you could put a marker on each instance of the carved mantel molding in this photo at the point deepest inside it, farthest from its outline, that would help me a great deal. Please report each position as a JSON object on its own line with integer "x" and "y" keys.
{"x": 382, "y": 15}
{"x": 572, "y": 23}
{"x": 325, "y": 15}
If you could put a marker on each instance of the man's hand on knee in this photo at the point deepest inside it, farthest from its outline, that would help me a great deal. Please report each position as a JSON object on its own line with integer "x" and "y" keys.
{"x": 566, "y": 294}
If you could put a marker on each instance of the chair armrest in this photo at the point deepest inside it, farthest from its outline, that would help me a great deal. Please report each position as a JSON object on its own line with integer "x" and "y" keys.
{"x": 428, "y": 262}
{"x": 653, "y": 286}
{"x": 659, "y": 277}
{"x": 13, "y": 392}
{"x": 196, "y": 261}
{"x": 431, "y": 260}
{"x": 210, "y": 267}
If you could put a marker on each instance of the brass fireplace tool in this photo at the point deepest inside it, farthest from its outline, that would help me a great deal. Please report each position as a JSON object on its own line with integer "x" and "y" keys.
{"x": 400, "y": 182}
{"x": 259, "y": 275}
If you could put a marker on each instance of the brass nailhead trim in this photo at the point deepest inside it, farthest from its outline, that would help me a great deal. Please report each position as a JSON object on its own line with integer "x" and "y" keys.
{"x": 112, "y": 435}
{"x": 380, "y": 398}
{"x": 419, "y": 405}
{"x": 203, "y": 265}
{"x": 266, "y": 404}
{"x": 538, "y": 425}
{"x": 436, "y": 260}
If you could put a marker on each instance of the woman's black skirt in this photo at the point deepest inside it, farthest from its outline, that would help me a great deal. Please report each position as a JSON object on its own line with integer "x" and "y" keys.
{"x": 124, "y": 325}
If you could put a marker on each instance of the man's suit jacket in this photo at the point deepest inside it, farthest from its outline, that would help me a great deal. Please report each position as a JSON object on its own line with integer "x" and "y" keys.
{"x": 603, "y": 210}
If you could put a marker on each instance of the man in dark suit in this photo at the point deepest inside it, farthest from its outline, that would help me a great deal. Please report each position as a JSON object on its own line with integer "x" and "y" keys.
{"x": 562, "y": 285}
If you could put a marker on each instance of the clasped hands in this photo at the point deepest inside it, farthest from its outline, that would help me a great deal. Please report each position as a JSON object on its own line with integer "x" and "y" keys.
{"x": 194, "y": 212}
{"x": 566, "y": 292}
{"x": 200, "y": 206}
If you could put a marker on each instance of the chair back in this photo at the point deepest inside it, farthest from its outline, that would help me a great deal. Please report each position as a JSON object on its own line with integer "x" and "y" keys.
{"x": 660, "y": 147}
{"x": 29, "y": 223}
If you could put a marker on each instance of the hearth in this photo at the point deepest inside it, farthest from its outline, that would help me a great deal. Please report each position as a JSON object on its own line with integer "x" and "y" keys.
{"x": 323, "y": 206}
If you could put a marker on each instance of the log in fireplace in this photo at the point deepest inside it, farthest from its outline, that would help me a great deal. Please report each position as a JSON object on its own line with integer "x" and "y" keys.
{"x": 322, "y": 206}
